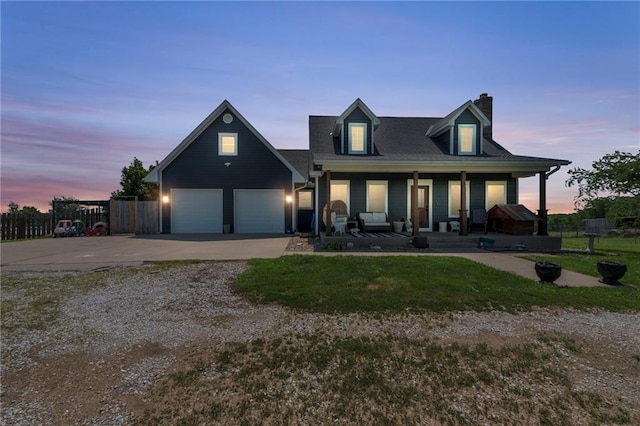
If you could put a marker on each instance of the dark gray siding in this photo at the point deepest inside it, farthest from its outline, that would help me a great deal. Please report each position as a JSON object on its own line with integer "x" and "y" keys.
{"x": 199, "y": 166}
{"x": 357, "y": 116}
{"x": 398, "y": 194}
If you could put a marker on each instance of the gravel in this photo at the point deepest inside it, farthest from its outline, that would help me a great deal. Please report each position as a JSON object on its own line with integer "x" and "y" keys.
{"x": 128, "y": 332}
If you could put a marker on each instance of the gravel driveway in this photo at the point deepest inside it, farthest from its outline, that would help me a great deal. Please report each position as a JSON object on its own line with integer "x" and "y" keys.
{"x": 93, "y": 361}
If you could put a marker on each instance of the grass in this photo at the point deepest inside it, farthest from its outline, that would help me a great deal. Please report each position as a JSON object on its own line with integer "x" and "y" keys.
{"x": 620, "y": 250}
{"x": 321, "y": 379}
{"x": 346, "y": 284}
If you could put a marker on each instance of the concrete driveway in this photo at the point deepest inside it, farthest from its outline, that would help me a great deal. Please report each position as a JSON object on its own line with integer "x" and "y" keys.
{"x": 88, "y": 253}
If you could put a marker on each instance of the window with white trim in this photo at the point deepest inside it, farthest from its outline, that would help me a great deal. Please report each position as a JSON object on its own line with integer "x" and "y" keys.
{"x": 466, "y": 139}
{"x": 357, "y": 138}
{"x": 305, "y": 200}
{"x": 227, "y": 144}
{"x": 454, "y": 197}
{"x": 496, "y": 193}
{"x": 340, "y": 191}
{"x": 377, "y": 196}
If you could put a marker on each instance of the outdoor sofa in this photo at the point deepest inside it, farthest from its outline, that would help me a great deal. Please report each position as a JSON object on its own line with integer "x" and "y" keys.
{"x": 373, "y": 221}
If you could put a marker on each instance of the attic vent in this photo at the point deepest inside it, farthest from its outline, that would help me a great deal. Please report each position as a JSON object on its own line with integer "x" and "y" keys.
{"x": 227, "y": 118}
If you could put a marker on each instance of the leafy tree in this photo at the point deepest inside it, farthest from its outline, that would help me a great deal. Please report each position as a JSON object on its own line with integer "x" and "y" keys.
{"x": 133, "y": 184}
{"x": 65, "y": 210}
{"x": 13, "y": 207}
{"x": 29, "y": 210}
{"x": 617, "y": 174}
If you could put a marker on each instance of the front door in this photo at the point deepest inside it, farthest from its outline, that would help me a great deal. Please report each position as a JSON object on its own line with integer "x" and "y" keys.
{"x": 423, "y": 206}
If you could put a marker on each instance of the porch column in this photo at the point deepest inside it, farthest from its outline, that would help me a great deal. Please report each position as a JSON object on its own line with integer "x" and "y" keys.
{"x": 414, "y": 205}
{"x": 463, "y": 203}
{"x": 542, "y": 225}
{"x": 328, "y": 230}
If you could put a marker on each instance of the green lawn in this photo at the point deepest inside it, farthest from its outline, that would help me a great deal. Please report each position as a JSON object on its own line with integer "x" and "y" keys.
{"x": 344, "y": 284}
{"x": 621, "y": 250}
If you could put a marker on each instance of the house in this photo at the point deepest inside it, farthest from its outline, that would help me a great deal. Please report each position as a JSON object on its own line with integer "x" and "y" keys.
{"x": 426, "y": 170}
{"x": 226, "y": 177}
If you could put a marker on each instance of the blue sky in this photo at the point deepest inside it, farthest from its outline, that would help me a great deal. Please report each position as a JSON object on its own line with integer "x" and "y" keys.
{"x": 88, "y": 86}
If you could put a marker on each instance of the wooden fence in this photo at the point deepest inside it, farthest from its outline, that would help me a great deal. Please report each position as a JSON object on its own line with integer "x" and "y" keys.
{"x": 123, "y": 217}
{"x": 18, "y": 226}
{"x": 134, "y": 217}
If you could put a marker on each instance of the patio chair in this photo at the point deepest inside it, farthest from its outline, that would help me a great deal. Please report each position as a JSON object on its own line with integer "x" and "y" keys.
{"x": 339, "y": 223}
{"x": 478, "y": 220}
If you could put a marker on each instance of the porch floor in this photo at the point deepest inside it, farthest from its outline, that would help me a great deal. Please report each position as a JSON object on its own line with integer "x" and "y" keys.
{"x": 439, "y": 241}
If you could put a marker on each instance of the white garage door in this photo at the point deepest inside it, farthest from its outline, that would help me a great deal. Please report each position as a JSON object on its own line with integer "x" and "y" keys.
{"x": 195, "y": 211}
{"x": 258, "y": 211}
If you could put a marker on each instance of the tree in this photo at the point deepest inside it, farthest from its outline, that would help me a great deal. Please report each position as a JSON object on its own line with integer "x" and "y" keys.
{"x": 65, "y": 209}
{"x": 13, "y": 207}
{"x": 617, "y": 174}
{"x": 133, "y": 184}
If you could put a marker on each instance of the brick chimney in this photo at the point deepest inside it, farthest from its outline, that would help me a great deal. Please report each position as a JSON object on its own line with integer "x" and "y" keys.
{"x": 485, "y": 103}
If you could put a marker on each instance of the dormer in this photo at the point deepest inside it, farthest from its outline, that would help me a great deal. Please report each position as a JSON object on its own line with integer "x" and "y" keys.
{"x": 462, "y": 130}
{"x": 355, "y": 129}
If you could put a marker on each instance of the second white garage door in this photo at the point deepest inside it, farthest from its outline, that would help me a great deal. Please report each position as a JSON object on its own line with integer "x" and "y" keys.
{"x": 258, "y": 211}
{"x": 195, "y": 211}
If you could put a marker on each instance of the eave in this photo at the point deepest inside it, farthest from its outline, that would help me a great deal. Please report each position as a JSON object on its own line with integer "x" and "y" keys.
{"x": 518, "y": 168}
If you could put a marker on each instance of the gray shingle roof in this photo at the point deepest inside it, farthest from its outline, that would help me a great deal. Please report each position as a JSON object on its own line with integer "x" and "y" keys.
{"x": 400, "y": 139}
{"x": 299, "y": 159}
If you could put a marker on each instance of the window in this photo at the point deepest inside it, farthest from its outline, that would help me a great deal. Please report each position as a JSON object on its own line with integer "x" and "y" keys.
{"x": 496, "y": 193}
{"x": 340, "y": 191}
{"x": 454, "y": 197}
{"x": 466, "y": 139}
{"x": 305, "y": 200}
{"x": 357, "y": 138}
{"x": 377, "y": 196}
{"x": 227, "y": 144}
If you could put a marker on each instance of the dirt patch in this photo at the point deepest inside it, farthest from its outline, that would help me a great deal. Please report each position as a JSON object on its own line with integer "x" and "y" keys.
{"x": 174, "y": 342}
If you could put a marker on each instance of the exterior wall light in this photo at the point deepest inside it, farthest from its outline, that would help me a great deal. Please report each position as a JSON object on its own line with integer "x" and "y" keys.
{"x": 288, "y": 199}
{"x": 165, "y": 199}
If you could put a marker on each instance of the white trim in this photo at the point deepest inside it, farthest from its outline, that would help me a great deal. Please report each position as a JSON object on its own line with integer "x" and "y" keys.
{"x": 502, "y": 183}
{"x": 347, "y": 201}
{"x": 221, "y": 136}
{"x": 421, "y": 182}
{"x": 386, "y": 194}
{"x": 457, "y": 195}
{"x": 364, "y": 140}
{"x": 317, "y": 208}
{"x": 473, "y": 127}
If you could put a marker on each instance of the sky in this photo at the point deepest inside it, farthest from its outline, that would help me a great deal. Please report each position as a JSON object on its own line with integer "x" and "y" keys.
{"x": 86, "y": 87}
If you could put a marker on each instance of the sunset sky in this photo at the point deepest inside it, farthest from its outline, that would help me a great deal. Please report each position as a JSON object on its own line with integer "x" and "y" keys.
{"x": 86, "y": 87}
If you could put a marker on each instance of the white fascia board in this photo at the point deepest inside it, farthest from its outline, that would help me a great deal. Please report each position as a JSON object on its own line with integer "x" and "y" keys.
{"x": 449, "y": 121}
{"x": 440, "y": 167}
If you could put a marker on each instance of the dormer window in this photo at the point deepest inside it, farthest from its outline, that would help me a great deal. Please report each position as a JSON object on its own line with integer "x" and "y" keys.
{"x": 357, "y": 138}
{"x": 466, "y": 139}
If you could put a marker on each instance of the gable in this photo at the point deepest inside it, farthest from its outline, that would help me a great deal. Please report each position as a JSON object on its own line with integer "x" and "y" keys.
{"x": 354, "y": 130}
{"x": 206, "y": 141}
{"x": 464, "y": 129}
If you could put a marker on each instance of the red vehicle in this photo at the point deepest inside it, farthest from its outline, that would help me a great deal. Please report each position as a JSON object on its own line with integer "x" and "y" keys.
{"x": 98, "y": 228}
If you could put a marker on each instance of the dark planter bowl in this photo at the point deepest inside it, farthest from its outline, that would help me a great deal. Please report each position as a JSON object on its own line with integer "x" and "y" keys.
{"x": 611, "y": 272}
{"x": 548, "y": 272}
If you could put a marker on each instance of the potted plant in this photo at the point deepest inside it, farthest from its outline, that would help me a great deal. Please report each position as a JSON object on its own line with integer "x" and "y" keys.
{"x": 611, "y": 272}
{"x": 548, "y": 272}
